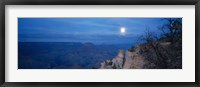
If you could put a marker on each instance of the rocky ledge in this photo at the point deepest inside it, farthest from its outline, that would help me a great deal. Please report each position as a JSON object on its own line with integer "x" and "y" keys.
{"x": 132, "y": 59}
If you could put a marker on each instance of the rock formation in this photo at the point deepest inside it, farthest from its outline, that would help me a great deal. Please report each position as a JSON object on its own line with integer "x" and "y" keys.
{"x": 128, "y": 60}
{"x": 115, "y": 63}
{"x": 159, "y": 55}
{"x": 134, "y": 60}
{"x": 118, "y": 61}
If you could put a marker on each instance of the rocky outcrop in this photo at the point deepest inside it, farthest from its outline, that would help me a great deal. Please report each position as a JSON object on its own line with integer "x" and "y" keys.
{"x": 134, "y": 60}
{"x": 119, "y": 60}
{"x": 157, "y": 55}
{"x": 128, "y": 60}
{"x": 115, "y": 63}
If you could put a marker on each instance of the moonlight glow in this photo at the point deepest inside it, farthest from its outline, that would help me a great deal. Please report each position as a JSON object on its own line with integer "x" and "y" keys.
{"x": 122, "y": 29}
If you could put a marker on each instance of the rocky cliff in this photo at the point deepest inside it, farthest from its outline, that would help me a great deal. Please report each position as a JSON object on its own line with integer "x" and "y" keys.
{"x": 115, "y": 63}
{"x": 145, "y": 56}
{"x": 126, "y": 60}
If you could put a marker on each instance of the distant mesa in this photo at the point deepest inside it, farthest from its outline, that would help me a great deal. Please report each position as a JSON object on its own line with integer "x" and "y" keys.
{"x": 88, "y": 44}
{"x": 73, "y": 43}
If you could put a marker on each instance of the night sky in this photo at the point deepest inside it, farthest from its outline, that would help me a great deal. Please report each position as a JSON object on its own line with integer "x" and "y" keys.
{"x": 94, "y": 30}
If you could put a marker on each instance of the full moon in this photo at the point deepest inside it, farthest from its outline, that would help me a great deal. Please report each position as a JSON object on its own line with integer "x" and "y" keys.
{"x": 122, "y": 29}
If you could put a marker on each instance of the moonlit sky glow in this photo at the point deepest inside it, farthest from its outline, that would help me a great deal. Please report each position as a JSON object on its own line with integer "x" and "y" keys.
{"x": 95, "y": 30}
{"x": 122, "y": 29}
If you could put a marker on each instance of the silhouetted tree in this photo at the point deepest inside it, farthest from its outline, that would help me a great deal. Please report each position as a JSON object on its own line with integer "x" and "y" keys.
{"x": 172, "y": 29}
{"x": 148, "y": 36}
{"x": 169, "y": 57}
{"x": 151, "y": 39}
